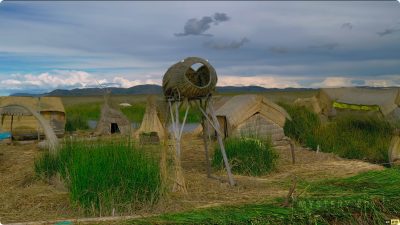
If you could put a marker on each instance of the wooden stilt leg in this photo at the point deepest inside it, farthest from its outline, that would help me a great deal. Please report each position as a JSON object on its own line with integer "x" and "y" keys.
{"x": 179, "y": 185}
{"x": 205, "y": 134}
{"x": 11, "y": 127}
{"x": 221, "y": 144}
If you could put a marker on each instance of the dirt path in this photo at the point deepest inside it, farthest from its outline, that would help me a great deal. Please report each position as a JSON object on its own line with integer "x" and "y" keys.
{"x": 26, "y": 198}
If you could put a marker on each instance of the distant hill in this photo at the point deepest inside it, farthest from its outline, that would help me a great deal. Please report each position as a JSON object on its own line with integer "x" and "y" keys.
{"x": 151, "y": 89}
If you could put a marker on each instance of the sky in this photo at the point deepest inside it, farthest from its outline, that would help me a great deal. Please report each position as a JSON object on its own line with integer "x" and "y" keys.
{"x": 72, "y": 44}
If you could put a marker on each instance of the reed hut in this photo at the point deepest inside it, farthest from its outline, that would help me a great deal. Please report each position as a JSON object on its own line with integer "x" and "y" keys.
{"x": 16, "y": 118}
{"x": 252, "y": 116}
{"x": 368, "y": 100}
{"x": 151, "y": 130}
{"x": 112, "y": 121}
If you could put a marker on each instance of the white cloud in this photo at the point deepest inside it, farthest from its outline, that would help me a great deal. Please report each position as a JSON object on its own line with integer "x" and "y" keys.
{"x": 334, "y": 82}
{"x": 384, "y": 81}
{"x": 379, "y": 81}
{"x": 68, "y": 79}
{"x": 261, "y": 80}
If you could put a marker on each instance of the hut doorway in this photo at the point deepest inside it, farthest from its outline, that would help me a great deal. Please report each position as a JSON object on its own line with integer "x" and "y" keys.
{"x": 223, "y": 125}
{"x": 114, "y": 128}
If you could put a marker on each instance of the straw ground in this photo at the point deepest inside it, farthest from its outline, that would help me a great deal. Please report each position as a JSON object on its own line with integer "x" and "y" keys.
{"x": 26, "y": 198}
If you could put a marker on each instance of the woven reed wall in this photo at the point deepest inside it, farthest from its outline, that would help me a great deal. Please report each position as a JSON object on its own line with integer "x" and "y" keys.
{"x": 180, "y": 79}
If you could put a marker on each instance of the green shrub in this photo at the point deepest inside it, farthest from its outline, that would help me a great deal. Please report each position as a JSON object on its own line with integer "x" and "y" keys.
{"x": 247, "y": 156}
{"x": 105, "y": 175}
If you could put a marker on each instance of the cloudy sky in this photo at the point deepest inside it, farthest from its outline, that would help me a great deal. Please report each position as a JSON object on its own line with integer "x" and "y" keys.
{"x": 48, "y": 45}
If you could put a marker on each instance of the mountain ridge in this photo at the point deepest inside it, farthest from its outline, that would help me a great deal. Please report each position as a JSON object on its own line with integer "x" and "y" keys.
{"x": 151, "y": 89}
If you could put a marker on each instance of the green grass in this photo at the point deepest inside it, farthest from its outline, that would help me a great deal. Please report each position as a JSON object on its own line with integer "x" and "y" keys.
{"x": 356, "y": 137}
{"x": 78, "y": 115}
{"x": 105, "y": 175}
{"x": 367, "y": 198}
{"x": 247, "y": 156}
{"x": 135, "y": 112}
{"x": 360, "y": 136}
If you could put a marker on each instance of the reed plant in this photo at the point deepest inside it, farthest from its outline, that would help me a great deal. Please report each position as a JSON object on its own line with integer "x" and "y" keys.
{"x": 105, "y": 176}
{"x": 247, "y": 156}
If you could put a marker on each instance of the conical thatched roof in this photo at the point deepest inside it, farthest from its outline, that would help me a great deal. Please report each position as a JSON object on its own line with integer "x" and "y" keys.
{"x": 111, "y": 116}
{"x": 151, "y": 122}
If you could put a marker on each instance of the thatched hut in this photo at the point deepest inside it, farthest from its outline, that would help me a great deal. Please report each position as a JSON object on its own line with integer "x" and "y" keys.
{"x": 151, "y": 129}
{"x": 112, "y": 121}
{"x": 330, "y": 102}
{"x": 182, "y": 80}
{"x": 24, "y": 125}
{"x": 252, "y": 116}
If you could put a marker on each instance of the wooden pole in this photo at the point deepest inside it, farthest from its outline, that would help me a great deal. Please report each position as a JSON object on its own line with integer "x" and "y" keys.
{"x": 179, "y": 184}
{"x": 177, "y": 139}
{"x": 205, "y": 133}
{"x": 221, "y": 144}
{"x": 11, "y": 127}
{"x": 292, "y": 151}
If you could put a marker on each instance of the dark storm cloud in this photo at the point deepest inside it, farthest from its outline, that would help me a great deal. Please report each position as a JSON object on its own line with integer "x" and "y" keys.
{"x": 225, "y": 46}
{"x": 388, "y": 32}
{"x": 327, "y": 46}
{"x": 279, "y": 50}
{"x": 348, "y": 26}
{"x": 221, "y": 17}
{"x": 198, "y": 27}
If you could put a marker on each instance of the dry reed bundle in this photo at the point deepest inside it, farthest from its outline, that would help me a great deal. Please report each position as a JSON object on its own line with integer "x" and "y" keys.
{"x": 151, "y": 122}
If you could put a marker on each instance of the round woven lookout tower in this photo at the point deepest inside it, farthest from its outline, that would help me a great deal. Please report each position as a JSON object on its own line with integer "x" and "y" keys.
{"x": 181, "y": 80}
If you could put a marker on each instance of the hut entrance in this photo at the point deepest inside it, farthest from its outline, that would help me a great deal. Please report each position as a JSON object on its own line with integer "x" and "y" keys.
{"x": 114, "y": 128}
{"x": 223, "y": 125}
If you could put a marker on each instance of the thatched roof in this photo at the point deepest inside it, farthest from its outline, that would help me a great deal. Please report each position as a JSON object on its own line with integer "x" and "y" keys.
{"x": 180, "y": 79}
{"x": 386, "y": 99}
{"x": 241, "y": 107}
{"x": 9, "y": 105}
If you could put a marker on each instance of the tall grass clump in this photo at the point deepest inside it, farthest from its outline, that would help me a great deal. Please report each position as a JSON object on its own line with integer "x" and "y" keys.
{"x": 303, "y": 125}
{"x": 356, "y": 137}
{"x": 103, "y": 176}
{"x": 247, "y": 156}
